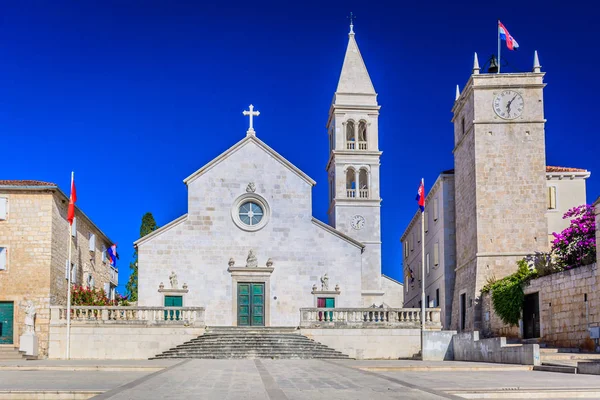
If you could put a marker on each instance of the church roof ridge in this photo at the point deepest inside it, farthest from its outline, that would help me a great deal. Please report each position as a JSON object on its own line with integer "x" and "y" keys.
{"x": 354, "y": 77}
{"x": 160, "y": 230}
{"x": 240, "y": 144}
{"x": 335, "y": 232}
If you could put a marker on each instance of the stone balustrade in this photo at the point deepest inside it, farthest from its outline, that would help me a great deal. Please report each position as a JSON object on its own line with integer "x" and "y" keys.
{"x": 186, "y": 316}
{"x": 408, "y": 318}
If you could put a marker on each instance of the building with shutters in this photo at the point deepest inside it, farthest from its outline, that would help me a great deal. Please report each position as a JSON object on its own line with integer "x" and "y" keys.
{"x": 34, "y": 235}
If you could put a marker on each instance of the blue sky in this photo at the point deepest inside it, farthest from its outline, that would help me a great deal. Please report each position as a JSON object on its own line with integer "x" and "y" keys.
{"x": 136, "y": 95}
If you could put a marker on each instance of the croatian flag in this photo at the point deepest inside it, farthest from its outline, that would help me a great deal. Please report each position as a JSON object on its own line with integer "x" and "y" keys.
{"x": 72, "y": 200}
{"x": 511, "y": 43}
{"x": 113, "y": 255}
{"x": 421, "y": 196}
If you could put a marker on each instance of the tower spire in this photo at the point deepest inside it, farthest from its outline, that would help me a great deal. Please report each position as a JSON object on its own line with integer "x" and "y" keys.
{"x": 537, "y": 68}
{"x": 475, "y": 65}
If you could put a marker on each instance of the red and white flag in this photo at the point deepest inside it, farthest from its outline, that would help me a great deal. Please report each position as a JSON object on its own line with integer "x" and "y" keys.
{"x": 72, "y": 200}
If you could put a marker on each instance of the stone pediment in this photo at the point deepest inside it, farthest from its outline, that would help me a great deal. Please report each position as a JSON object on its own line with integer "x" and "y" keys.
{"x": 261, "y": 145}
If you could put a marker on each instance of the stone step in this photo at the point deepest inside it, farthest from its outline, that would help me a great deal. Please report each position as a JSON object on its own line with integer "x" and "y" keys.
{"x": 252, "y": 329}
{"x": 12, "y": 353}
{"x": 245, "y": 356}
{"x": 570, "y": 356}
{"x": 559, "y": 350}
{"x": 555, "y": 368}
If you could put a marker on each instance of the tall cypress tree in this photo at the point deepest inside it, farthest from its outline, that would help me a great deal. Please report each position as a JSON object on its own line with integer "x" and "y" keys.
{"x": 148, "y": 226}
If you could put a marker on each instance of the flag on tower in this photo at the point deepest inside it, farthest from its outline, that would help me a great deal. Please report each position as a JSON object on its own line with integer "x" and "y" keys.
{"x": 421, "y": 196}
{"x": 511, "y": 43}
{"x": 72, "y": 200}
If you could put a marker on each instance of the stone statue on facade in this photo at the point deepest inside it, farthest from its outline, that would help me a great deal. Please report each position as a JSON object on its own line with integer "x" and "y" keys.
{"x": 325, "y": 282}
{"x": 30, "y": 312}
{"x": 269, "y": 263}
{"x": 251, "y": 188}
{"x": 251, "y": 261}
{"x": 231, "y": 262}
{"x": 173, "y": 280}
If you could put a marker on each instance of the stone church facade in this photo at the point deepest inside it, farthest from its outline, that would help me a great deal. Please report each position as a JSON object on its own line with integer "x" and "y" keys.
{"x": 249, "y": 249}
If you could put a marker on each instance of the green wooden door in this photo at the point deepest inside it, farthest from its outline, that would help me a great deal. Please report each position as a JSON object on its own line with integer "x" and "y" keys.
{"x": 173, "y": 301}
{"x": 251, "y": 304}
{"x": 6, "y": 322}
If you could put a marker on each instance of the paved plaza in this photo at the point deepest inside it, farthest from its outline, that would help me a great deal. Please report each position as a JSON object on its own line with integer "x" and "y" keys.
{"x": 285, "y": 379}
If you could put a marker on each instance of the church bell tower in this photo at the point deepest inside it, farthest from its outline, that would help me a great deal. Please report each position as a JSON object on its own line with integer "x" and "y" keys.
{"x": 353, "y": 166}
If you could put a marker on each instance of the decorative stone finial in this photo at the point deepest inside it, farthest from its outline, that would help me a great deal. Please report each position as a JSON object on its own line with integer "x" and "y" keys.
{"x": 314, "y": 288}
{"x": 251, "y": 188}
{"x": 337, "y": 287}
{"x": 231, "y": 262}
{"x": 537, "y": 68}
{"x": 161, "y": 286}
{"x": 269, "y": 263}
{"x": 475, "y": 65}
{"x": 251, "y": 114}
{"x": 251, "y": 261}
{"x": 457, "y": 93}
{"x": 185, "y": 286}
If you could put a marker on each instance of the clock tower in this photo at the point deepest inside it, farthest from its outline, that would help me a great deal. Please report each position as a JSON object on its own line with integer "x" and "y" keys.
{"x": 353, "y": 166}
{"x": 500, "y": 182}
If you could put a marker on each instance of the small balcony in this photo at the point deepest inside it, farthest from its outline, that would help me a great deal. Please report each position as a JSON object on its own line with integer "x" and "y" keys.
{"x": 351, "y": 193}
{"x": 363, "y": 193}
{"x": 351, "y": 145}
{"x": 114, "y": 276}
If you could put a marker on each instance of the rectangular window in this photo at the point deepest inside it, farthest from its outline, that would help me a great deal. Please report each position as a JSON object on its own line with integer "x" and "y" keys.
{"x": 92, "y": 242}
{"x": 406, "y": 248}
{"x": 463, "y": 311}
{"x": 3, "y": 208}
{"x": 437, "y": 297}
{"x": 426, "y": 216}
{"x": 418, "y": 235}
{"x": 73, "y": 273}
{"x": 427, "y": 263}
{"x": 427, "y": 304}
{"x": 436, "y": 211}
{"x": 436, "y": 254}
{"x": 74, "y": 227}
{"x": 103, "y": 254}
{"x": 552, "y": 198}
{"x": 411, "y": 240}
{"x": 406, "y": 282}
{"x": 3, "y": 259}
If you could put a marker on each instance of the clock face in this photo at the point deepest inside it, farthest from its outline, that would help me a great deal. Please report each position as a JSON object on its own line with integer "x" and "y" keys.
{"x": 508, "y": 104}
{"x": 357, "y": 222}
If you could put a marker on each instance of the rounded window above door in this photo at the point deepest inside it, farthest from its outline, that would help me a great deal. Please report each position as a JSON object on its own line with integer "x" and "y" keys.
{"x": 250, "y": 212}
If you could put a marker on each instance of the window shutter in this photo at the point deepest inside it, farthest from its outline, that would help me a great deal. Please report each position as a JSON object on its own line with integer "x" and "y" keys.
{"x": 103, "y": 253}
{"x": 551, "y": 197}
{"x": 436, "y": 253}
{"x": 2, "y": 258}
{"x": 92, "y": 242}
{"x": 427, "y": 263}
{"x": 66, "y": 269}
{"x": 426, "y": 216}
{"x": 107, "y": 289}
{"x": 411, "y": 240}
{"x": 74, "y": 227}
{"x": 73, "y": 273}
{"x": 3, "y": 208}
{"x": 436, "y": 211}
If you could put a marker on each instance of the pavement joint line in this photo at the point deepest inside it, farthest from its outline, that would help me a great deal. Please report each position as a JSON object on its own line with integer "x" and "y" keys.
{"x": 273, "y": 390}
{"x": 139, "y": 381}
{"x": 398, "y": 381}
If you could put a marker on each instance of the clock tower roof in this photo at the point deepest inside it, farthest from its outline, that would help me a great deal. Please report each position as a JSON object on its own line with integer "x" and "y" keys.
{"x": 354, "y": 77}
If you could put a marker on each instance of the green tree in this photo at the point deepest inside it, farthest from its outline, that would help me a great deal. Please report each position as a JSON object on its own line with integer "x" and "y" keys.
{"x": 148, "y": 226}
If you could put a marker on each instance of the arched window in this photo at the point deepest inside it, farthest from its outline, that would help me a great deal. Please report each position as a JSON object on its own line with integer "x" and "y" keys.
{"x": 363, "y": 183}
{"x": 350, "y": 136}
{"x": 362, "y": 135}
{"x": 350, "y": 183}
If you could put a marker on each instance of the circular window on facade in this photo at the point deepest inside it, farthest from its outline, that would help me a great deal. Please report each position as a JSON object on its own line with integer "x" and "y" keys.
{"x": 251, "y": 213}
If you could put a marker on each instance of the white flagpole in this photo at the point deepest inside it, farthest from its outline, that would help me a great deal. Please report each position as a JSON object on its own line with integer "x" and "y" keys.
{"x": 69, "y": 281}
{"x": 499, "y": 46}
{"x": 423, "y": 273}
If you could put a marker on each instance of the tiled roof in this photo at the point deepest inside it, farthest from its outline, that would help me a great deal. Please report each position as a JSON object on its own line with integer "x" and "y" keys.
{"x": 564, "y": 169}
{"x": 26, "y": 182}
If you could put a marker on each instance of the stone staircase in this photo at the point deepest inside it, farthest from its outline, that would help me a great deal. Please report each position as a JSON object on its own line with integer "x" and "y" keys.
{"x": 252, "y": 342}
{"x": 12, "y": 353}
{"x": 563, "y": 359}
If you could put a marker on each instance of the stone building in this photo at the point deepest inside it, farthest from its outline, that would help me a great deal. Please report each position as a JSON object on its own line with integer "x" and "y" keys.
{"x": 34, "y": 237}
{"x": 440, "y": 250}
{"x": 249, "y": 249}
{"x": 566, "y": 189}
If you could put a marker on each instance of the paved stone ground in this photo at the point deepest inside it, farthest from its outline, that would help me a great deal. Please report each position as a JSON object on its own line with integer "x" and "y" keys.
{"x": 290, "y": 379}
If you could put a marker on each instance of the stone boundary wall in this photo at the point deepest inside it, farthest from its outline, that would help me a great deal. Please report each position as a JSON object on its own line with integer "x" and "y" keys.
{"x": 468, "y": 347}
{"x": 114, "y": 342}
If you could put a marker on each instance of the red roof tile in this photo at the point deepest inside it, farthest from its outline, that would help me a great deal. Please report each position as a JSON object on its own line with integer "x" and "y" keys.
{"x": 26, "y": 182}
{"x": 564, "y": 169}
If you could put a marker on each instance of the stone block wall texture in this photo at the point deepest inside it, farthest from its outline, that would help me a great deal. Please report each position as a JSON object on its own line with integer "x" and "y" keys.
{"x": 500, "y": 183}
{"x": 36, "y": 235}
{"x": 199, "y": 247}
{"x": 467, "y": 346}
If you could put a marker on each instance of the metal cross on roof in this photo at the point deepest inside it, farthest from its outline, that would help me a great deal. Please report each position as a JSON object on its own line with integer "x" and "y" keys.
{"x": 251, "y": 114}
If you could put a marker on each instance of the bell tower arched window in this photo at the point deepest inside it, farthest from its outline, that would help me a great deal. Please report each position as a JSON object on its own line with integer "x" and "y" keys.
{"x": 362, "y": 135}
{"x": 350, "y": 135}
{"x": 363, "y": 183}
{"x": 350, "y": 183}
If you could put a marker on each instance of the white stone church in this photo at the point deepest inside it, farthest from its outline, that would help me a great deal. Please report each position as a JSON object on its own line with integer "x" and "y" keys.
{"x": 249, "y": 249}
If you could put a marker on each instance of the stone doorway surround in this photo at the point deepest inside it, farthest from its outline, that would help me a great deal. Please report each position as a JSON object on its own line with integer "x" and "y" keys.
{"x": 250, "y": 275}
